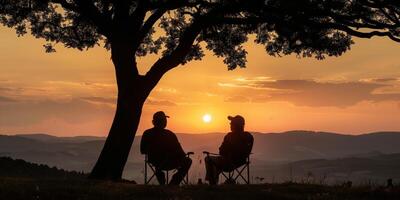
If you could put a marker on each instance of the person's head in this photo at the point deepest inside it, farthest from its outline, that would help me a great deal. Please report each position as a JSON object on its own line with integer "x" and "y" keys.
{"x": 237, "y": 123}
{"x": 160, "y": 119}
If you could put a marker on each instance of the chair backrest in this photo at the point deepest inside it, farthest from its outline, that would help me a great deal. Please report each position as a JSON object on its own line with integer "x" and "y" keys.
{"x": 238, "y": 147}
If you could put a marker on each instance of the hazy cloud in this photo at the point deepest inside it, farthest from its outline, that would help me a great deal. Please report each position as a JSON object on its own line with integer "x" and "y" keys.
{"x": 237, "y": 99}
{"x": 159, "y": 102}
{"x": 4, "y": 89}
{"x": 6, "y": 100}
{"x": 71, "y": 111}
{"x": 167, "y": 90}
{"x": 11, "y": 89}
{"x": 313, "y": 93}
{"x": 100, "y": 100}
{"x": 381, "y": 80}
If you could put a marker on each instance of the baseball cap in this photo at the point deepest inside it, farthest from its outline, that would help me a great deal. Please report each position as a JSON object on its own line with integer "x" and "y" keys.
{"x": 160, "y": 115}
{"x": 236, "y": 119}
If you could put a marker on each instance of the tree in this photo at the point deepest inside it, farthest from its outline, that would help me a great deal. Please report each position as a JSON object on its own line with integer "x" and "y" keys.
{"x": 180, "y": 30}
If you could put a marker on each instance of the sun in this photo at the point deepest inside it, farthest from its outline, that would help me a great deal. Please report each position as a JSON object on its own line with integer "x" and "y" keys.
{"x": 207, "y": 118}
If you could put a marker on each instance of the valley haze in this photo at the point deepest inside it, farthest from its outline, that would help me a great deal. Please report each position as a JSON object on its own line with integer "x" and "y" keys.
{"x": 318, "y": 157}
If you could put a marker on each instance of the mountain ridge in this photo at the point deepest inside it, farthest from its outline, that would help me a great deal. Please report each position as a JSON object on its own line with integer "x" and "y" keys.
{"x": 270, "y": 149}
{"x": 44, "y": 135}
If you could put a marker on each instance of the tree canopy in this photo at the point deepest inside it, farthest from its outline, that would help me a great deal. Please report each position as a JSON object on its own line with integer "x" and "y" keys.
{"x": 176, "y": 28}
{"x": 182, "y": 30}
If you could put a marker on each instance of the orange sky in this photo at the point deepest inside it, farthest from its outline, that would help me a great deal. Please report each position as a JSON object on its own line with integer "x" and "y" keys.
{"x": 72, "y": 93}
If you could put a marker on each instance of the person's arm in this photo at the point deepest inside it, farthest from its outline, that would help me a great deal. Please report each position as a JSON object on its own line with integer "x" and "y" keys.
{"x": 223, "y": 149}
{"x": 178, "y": 145}
{"x": 144, "y": 144}
{"x": 250, "y": 144}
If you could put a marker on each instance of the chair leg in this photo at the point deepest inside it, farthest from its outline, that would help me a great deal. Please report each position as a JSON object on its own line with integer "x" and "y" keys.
{"x": 248, "y": 173}
{"x": 239, "y": 174}
{"x": 167, "y": 177}
{"x": 145, "y": 173}
{"x": 227, "y": 177}
{"x": 187, "y": 178}
{"x": 147, "y": 180}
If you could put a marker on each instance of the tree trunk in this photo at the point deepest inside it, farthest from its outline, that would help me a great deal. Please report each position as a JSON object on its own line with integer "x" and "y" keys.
{"x": 132, "y": 92}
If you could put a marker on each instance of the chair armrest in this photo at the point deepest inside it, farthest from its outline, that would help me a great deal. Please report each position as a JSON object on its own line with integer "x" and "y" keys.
{"x": 208, "y": 153}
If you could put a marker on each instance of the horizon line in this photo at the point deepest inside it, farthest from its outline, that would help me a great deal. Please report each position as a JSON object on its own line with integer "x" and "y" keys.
{"x": 209, "y": 133}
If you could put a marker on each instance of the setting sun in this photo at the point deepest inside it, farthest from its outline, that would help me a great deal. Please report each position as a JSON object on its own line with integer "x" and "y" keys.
{"x": 207, "y": 118}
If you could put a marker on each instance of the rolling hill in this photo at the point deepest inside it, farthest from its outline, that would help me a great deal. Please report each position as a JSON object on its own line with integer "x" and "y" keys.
{"x": 17, "y": 168}
{"x": 276, "y": 156}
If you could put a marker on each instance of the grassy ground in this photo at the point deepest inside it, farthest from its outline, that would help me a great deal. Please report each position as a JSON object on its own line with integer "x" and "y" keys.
{"x": 26, "y": 189}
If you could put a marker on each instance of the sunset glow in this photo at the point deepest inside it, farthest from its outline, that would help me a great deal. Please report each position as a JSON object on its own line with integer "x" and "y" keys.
{"x": 73, "y": 93}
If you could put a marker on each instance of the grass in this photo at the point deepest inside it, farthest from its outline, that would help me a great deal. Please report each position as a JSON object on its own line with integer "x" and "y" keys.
{"x": 58, "y": 189}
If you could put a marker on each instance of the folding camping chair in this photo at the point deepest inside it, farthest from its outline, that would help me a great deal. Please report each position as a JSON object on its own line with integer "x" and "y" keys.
{"x": 152, "y": 168}
{"x": 237, "y": 173}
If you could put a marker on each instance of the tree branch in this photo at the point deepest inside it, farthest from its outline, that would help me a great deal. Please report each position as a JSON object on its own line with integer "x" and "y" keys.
{"x": 175, "y": 4}
{"x": 88, "y": 9}
{"x": 360, "y": 34}
{"x": 148, "y": 25}
{"x": 172, "y": 60}
{"x": 65, "y": 4}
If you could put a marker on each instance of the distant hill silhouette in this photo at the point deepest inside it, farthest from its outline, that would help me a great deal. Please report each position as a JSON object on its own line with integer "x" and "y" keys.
{"x": 272, "y": 152}
{"x": 49, "y": 138}
{"x": 365, "y": 170}
{"x": 19, "y": 168}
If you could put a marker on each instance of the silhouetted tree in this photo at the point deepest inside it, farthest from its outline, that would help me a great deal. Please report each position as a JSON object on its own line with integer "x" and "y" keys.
{"x": 185, "y": 28}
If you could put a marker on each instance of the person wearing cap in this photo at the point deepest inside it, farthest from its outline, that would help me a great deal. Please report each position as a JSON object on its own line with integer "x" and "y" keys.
{"x": 164, "y": 150}
{"x": 233, "y": 152}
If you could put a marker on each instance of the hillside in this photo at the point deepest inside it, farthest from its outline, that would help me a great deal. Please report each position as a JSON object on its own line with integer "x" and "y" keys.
{"x": 18, "y": 168}
{"x": 360, "y": 170}
{"x": 49, "y": 138}
{"x": 22, "y": 189}
{"x": 271, "y": 156}
{"x": 20, "y": 180}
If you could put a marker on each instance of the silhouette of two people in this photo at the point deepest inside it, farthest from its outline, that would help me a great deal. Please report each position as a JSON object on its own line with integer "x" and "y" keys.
{"x": 233, "y": 152}
{"x": 164, "y": 151}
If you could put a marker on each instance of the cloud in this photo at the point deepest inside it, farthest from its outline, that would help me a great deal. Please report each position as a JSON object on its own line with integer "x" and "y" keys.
{"x": 4, "y": 99}
{"x": 381, "y": 80}
{"x": 386, "y": 79}
{"x": 313, "y": 93}
{"x": 81, "y": 84}
{"x": 100, "y": 99}
{"x": 159, "y": 102}
{"x": 167, "y": 90}
{"x": 237, "y": 99}
{"x": 74, "y": 111}
{"x": 4, "y": 89}
{"x": 11, "y": 89}
{"x": 106, "y": 100}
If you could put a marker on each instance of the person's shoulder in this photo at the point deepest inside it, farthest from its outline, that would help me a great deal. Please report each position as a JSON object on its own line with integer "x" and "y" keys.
{"x": 248, "y": 134}
{"x": 169, "y": 132}
{"x": 228, "y": 135}
{"x": 148, "y": 131}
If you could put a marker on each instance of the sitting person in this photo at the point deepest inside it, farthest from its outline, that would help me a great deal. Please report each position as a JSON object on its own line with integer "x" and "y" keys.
{"x": 164, "y": 150}
{"x": 233, "y": 152}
